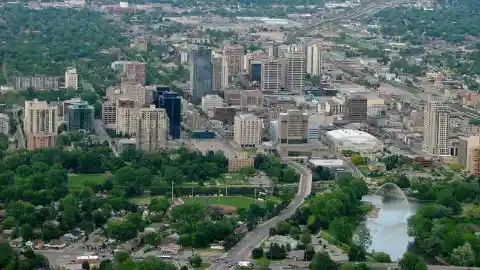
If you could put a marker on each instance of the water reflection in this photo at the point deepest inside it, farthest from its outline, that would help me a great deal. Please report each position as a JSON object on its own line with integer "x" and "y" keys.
{"x": 389, "y": 228}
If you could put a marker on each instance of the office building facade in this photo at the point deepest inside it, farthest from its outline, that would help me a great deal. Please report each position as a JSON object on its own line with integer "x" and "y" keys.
{"x": 436, "y": 117}
{"x": 247, "y": 129}
{"x": 172, "y": 103}
{"x": 293, "y": 127}
{"x": 314, "y": 59}
{"x": 469, "y": 154}
{"x": 356, "y": 109}
{"x": 201, "y": 73}
{"x": 40, "y": 117}
{"x": 71, "y": 78}
{"x": 217, "y": 66}
{"x": 127, "y": 113}
{"x": 38, "y": 82}
{"x": 295, "y": 70}
{"x": 234, "y": 60}
{"x": 80, "y": 117}
{"x": 4, "y": 124}
{"x": 272, "y": 75}
{"x": 152, "y": 129}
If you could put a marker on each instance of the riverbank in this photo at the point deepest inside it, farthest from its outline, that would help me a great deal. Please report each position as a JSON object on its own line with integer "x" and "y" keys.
{"x": 374, "y": 211}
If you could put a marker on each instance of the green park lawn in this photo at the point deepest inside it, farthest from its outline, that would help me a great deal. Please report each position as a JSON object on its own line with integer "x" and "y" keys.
{"x": 235, "y": 201}
{"x": 203, "y": 266}
{"x": 77, "y": 182}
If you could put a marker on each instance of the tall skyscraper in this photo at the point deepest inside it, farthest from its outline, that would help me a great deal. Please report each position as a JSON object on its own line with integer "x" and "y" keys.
{"x": 314, "y": 59}
{"x": 201, "y": 73}
{"x": 40, "y": 124}
{"x": 469, "y": 154}
{"x": 71, "y": 78}
{"x": 436, "y": 116}
{"x": 217, "y": 65}
{"x": 127, "y": 112}
{"x": 356, "y": 109}
{"x": 247, "y": 130}
{"x": 295, "y": 70}
{"x": 152, "y": 129}
{"x": 293, "y": 127}
{"x": 80, "y": 117}
{"x": 172, "y": 103}
{"x": 234, "y": 59}
{"x": 272, "y": 75}
{"x": 40, "y": 117}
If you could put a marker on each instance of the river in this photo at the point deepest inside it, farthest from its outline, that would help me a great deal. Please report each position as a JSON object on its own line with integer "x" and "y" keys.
{"x": 389, "y": 229}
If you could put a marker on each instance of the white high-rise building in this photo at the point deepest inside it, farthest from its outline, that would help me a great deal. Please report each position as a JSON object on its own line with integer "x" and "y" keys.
{"x": 435, "y": 128}
{"x": 295, "y": 70}
{"x": 314, "y": 59}
{"x": 40, "y": 117}
{"x": 152, "y": 131}
{"x": 71, "y": 78}
{"x": 247, "y": 130}
{"x": 4, "y": 124}
{"x": 272, "y": 75}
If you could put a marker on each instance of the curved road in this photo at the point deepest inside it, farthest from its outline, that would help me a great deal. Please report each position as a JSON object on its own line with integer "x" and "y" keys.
{"x": 243, "y": 249}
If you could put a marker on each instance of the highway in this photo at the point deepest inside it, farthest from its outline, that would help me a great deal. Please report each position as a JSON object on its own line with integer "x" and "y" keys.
{"x": 243, "y": 249}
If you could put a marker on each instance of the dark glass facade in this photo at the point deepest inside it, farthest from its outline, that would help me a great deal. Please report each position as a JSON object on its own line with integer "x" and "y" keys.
{"x": 171, "y": 102}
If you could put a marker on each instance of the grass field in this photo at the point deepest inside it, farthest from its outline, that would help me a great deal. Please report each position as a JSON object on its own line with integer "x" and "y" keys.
{"x": 77, "y": 182}
{"x": 235, "y": 201}
{"x": 202, "y": 267}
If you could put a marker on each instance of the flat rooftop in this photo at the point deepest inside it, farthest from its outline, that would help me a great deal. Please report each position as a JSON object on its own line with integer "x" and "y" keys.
{"x": 205, "y": 146}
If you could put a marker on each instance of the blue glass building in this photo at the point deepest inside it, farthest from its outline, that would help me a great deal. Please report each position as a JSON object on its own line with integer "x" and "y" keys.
{"x": 256, "y": 71}
{"x": 171, "y": 102}
{"x": 201, "y": 73}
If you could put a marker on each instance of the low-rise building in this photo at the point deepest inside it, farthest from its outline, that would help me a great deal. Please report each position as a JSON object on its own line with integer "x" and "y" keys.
{"x": 239, "y": 161}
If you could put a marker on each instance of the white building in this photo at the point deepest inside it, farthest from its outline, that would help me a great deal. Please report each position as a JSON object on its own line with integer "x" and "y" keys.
{"x": 247, "y": 130}
{"x": 71, "y": 78}
{"x": 272, "y": 75}
{"x": 353, "y": 140}
{"x": 436, "y": 120}
{"x": 295, "y": 70}
{"x": 314, "y": 59}
{"x": 211, "y": 101}
{"x": 4, "y": 124}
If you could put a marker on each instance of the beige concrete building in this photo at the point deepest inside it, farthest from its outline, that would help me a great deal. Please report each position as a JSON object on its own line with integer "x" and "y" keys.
{"x": 211, "y": 101}
{"x": 295, "y": 70}
{"x": 41, "y": 140}
{"x": 4, "y": 124}
{"x": 233, "y": 60}
{"x": 127, "y": 115}
{"x": 251, "y": 98}
{"x": 218, "y": 83}
{"x": 247, "y": 130}
{"x": 314, "y": 59}
{"x": 293, "y": 127}
{"x": 71, "y": 78}
{"x": 272, "y": 75}
{"x": 239, "y": 161}
{"x": 193, "y": 119}
{"x": 40, "y": 117}
{"x": 436, "y": 117}
{"x": 134, "y": 91}
{"x": 152, "y": 129}
{"x": 469, "y": 154}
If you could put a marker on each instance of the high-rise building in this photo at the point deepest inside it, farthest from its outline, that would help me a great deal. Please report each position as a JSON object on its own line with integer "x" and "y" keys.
{"x": 71, "y": 78}
{"x": 39, "y": 82}
{"x": 295, "y": 70}
{"x": 201, "y": 73}
{"x": 469, "y": 154}
{"x": 314, "y": 59}
{"x": 293, "y": 127}
{"x": 4, "y": 124}
{"x": 41, "y": 140}
{"x": 134, "y": 90}
{"x": 127, "y": 116}
{"x": 436, "y": 116}
{"x": 356, "y": 109}
{"x": 80, "y": 117}
{"x": 133, "y": 71}
{"x": 217, "y": 65}
{"x": 40, "y": 117}
{"x": 152, "y": 129}
{"x": 247, "y": 130}
{"x": 172, "y": 103}
{"x": 272, "y": 75}
{"x": 233, "y": 56}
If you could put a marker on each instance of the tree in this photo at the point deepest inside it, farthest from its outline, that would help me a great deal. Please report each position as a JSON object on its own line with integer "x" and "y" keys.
{"x": 26, "y": 231}
{"x": 357, "y": 159}
{"x": 463, "y": 255}
{"x": 305, "y": 238}
{"x": 362, "y": 237}
{"x": 158, "y": 204}
{"x": 257, "y": 253}
{"x": 195, "y": 261}
{"x": 86, "y": 265}
{"x": 322, "y": 261}
{"x": 411, "y": 261}
{"x": 357, "y": 253}
{"x": 262, "y": 264}
{"x": 382, "y": 257}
